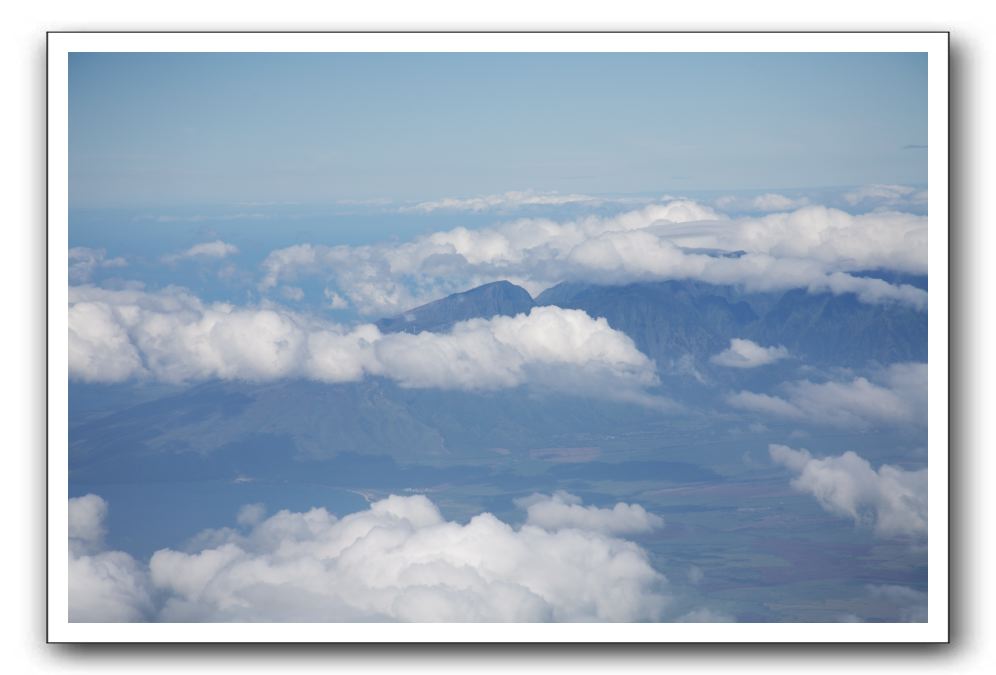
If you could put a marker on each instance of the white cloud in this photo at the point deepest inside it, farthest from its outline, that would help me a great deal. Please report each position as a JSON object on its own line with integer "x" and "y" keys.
{"x": 251, "y": 514}
{"x": 86, "y": 521}
{"x": 747, "y": 354}
{"x": 891, "y": 500}
{"x": 174, "y": 337}
{"x": 211, "y": 249}
{"x": 390, "y": 278}
{"x": 106, "y": 586}
{"x": 889, "y": 195}
{"x": 838, "y": 240}
{"x": 505, "y": 201}
{"x": 335, "y": 300}
{"x": 813, "y": 247}
{"x": 83, "y": 262}
{"x": 399, "y": 560}
{"x": 899, "y": 398}
{"x": 767, "y": 202}
{"x": 776, "y": 202}
{"x": 292, "y": 293}
{"x": 562, "y": 510}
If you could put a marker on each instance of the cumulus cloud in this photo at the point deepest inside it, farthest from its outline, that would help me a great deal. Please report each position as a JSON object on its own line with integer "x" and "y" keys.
{"x": 563, "y": 510}
{"x": 211, "y": 249}
{"x": 812, "y": 247}
{"x": 106, "y": 586}
{"x": 899, "y": 397}
{"x": 747, "y": 354}
{"x": 83, "y": 262}
{"x": 399, "y": 560}
{"x": 504, "y": 201}
{"x": 173, "y": 336}
{"x": 892, "y": 501}
{"x": 86, "y": 521}
{"x": 383, "y": 279}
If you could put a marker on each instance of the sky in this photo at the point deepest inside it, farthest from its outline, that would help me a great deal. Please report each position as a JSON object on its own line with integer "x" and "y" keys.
{"x": 187, "y": 129}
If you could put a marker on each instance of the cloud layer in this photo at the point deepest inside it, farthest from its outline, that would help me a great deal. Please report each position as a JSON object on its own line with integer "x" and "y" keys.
{"x": 898, "y": 397}
{"x": 892, "y": 501}
{"x": 812, "y": 247}
{"x": 504, "y": 201}
{"x": 400, "y": 560}
{"x": 174, "y": 337}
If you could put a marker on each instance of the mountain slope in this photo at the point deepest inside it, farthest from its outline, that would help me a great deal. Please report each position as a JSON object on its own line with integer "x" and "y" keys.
{"x": 665, "y": 319}
{"x": 499, "y": 298}
{"x": 669, "y": 319}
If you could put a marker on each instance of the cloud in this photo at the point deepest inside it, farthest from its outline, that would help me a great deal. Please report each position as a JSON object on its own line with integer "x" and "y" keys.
{"x": 813, "y": 247}
{"x": 908, "y": 604}
{"x": 292, "y": 293}
{"x": 695, "y": 574}
{"x": 251, "y": 514}
{"x": 704, "y": 615}
{"x": 335, "y": 301}
{"x": 563, "y": 510}
{"x": 384, "y": 279}
{"x": 83, "y": 262}
{"x": 86, "y": 521}
{"x": 212, "y": 249}
{"x": 505, "y": 201}
{"x": 172, "y": 336}
{"x": 892, "y": 501}
{"x": 746, "y": 354}
{"x": 899, "y": 398}
{"x": 106, "y": 586}
{"x": 890, "y": 195}
{"x": 767, "y": 202}
{"x": 399, "y": 560}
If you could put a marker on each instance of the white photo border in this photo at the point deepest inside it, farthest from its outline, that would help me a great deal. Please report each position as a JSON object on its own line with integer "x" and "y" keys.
{"x": 61, "y": 44}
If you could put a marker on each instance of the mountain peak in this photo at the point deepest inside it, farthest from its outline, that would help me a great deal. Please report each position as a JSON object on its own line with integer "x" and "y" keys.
{"x": 498, "y": 298}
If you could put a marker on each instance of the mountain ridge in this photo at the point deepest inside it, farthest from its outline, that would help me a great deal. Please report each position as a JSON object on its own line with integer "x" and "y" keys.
{"x": 498, "y": 298}
{"x": 670, "y": 319}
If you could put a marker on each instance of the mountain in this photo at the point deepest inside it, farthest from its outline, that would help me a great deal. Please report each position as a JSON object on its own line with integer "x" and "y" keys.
{"x": 669, "y": 319}
{"x": 680, "y": 324}
{"x": 841, "y": 330}
{"x": 665, "y": 319}
{"x": 501, "y": 298}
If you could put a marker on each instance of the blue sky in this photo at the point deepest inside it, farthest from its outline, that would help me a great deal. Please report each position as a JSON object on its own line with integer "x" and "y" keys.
{"x": 188, "y": 129}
